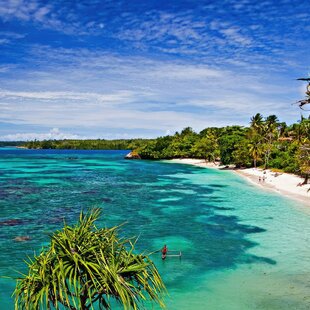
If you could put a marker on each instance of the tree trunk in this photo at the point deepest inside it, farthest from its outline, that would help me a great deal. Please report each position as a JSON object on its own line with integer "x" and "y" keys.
{"x": 305, "y": 182}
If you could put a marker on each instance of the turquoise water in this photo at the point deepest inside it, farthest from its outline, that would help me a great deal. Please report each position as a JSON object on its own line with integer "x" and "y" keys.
{"x": 242, "y": 248}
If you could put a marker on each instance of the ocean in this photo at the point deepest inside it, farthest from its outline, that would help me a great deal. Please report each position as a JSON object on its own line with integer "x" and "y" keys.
{"x": 242, "y": 247}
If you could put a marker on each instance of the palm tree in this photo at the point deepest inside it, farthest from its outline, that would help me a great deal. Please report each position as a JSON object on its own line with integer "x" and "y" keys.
{"x": 255, "y": 149}
{"x": 256, "y": 137}
{"x": 257, "y": 122}
{"x": 282, "y": 129}
{"x": 269, "y": 133}
{"x": 85, "y": 266}
{"x": 303, "y": 153}
{"x": 303, "y": 157}
{"x": 305, "y": 127}
{"x": 272, "y": 119}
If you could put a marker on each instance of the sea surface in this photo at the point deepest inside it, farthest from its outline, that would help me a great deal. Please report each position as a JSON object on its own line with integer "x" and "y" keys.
{"x": 242, "y": 247}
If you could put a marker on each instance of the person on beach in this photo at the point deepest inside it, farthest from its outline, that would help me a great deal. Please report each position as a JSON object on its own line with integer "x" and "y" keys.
{"x": 164, "y": 251}
{"x": 259, "y": 179}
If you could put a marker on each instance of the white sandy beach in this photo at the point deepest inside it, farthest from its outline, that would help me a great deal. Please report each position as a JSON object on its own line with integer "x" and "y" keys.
{"x": 284, "y": 183}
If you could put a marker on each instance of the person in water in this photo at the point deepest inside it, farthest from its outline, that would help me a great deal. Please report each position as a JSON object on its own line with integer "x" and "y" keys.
{"x": 164, "y": 251}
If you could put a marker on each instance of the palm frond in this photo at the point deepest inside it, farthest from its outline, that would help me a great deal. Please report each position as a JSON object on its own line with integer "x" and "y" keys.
{"x": 84, "y": 266}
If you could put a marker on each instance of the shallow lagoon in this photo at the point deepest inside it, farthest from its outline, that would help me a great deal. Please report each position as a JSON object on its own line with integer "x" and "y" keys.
{"x": 242, "y": 248}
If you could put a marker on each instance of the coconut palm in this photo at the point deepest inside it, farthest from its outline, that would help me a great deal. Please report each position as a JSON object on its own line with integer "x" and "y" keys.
{"x": 272, "y": 120}
{"x": 255, "y": 149}
{"x": 269, "y": 134}
{"x": 305, "y": 128}
{"x": 257, "y": 122}
{"x": 86, "y": 267}
{"x": 303, "y": 153}
{"x": 303, "y": 157}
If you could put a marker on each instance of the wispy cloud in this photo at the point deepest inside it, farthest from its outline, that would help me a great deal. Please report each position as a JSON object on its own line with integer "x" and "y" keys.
{"x": 56, "y": 15}
{"x": 23, "y": 10}
{"x": 65, "y": 96}
{"x": 4, "y": 41}
{"x": 96, "y": 89}
{"x": 233, "y": 34}
{"x": 148, "y": 66}
{"x": 54, "y": 133}
{"x": 11, "y": 35}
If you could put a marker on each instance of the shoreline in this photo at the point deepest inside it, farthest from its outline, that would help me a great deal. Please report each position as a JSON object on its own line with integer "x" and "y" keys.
{"x": 285, "y": 184}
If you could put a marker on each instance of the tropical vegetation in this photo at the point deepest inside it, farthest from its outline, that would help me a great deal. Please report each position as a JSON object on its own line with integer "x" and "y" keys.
{"x": 88, "y": 144}
{"x": 86, "y": 267}
{"x": 11, "y": 143}
{"x": 266, "y": 142}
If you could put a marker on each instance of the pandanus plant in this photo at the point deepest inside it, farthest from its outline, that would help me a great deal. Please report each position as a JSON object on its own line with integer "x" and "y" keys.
{"x": 85, "y": 267}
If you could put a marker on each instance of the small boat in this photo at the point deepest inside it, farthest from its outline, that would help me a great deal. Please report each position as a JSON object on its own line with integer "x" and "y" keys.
{"x": 171, "y": 253}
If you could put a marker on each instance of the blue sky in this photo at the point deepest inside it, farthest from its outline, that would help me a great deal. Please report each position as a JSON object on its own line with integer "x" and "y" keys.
{"x": 122, "y": 69}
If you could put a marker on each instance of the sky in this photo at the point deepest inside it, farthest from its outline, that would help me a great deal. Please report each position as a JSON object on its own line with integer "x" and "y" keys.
{"x": 122, "y": 69}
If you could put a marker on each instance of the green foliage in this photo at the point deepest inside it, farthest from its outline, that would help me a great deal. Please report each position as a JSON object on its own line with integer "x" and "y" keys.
{"x": 303, "y": 159}
{"x": 86, "y": 266}
{"x": 98, "y": 144}
{"x": 266, "y": 142}
{"x": 285, "y": 160}
{"x": 207, "y": 148}
{"x": 11, "y": 143}
{"x": 241, "y": 155}
{"x": 230, "y": 138}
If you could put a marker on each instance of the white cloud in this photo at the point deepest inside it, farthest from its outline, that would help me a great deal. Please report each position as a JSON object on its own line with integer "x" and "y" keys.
{"x": 17, "y": 9}
{"x": 6, "y": 68}
{"x": 4, "y": 41}
{"x": 12, "y": 35}
{"x": 41, "y": 13}
{"x": 99, "y": 90}
{"x": 233, "y": 34}
{"x": 72, "y": 96}
{"x": 54, "y": 133}
{"x": 56, "y": 16}
{"x": 186, "y": 72}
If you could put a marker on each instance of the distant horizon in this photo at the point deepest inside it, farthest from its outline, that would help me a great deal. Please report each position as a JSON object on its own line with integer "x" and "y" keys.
{"x": 118, "y": 70}
{"x": 63, "y": 137}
